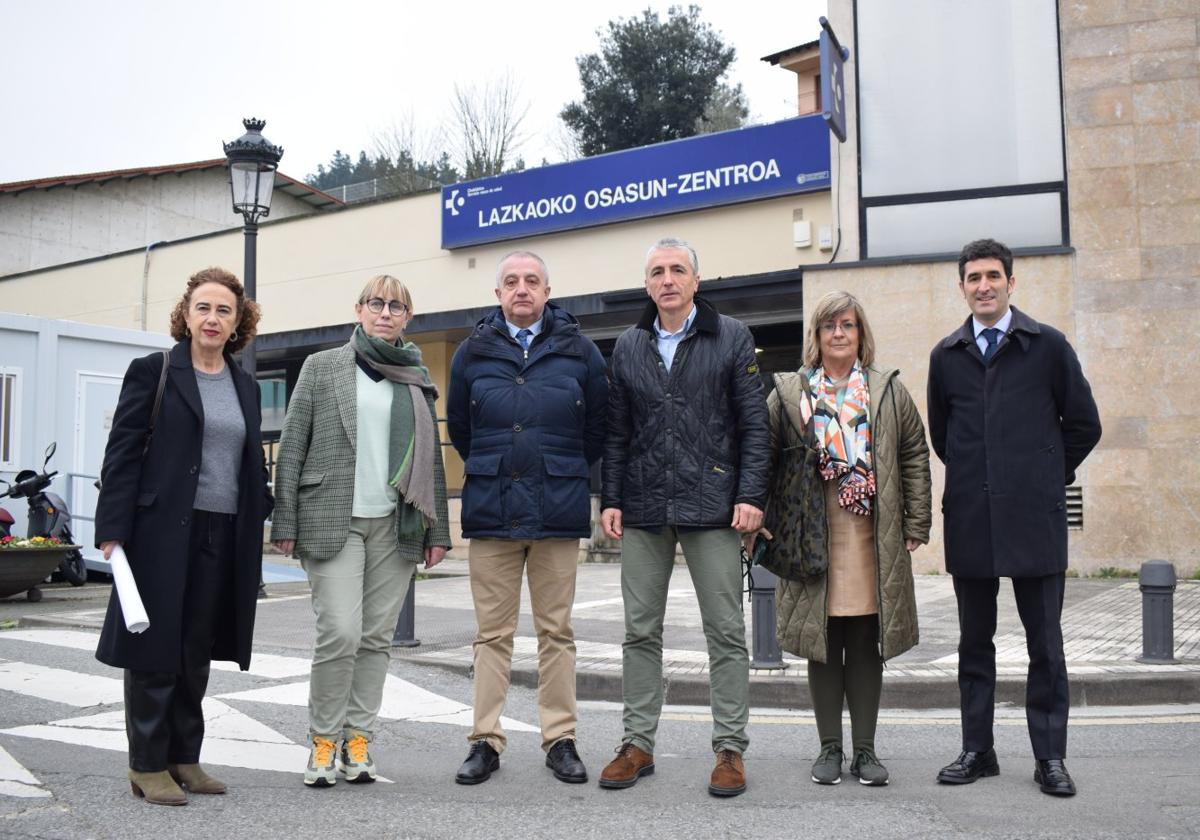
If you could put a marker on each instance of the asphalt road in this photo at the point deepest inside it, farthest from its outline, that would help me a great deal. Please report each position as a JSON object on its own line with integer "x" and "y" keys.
{"x": 1138, "y": 769}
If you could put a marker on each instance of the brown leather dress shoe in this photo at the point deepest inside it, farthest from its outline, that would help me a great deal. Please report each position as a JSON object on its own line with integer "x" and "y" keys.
{"x": 729, "y": 776}
{"x": 630, "y": 765}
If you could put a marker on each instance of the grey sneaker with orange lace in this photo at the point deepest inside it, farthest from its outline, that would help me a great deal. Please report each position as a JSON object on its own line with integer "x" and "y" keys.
{"x": 354, "y": 760}
{"x": 322, "y": 768}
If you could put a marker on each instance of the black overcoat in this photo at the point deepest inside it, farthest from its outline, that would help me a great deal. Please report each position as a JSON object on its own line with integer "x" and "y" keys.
{"x": 146, "y": 503}
{"x": 1011, "y": 434}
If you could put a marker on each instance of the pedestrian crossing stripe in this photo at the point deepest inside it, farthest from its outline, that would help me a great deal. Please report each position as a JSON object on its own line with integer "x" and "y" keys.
{"x": 232, "y": 737}
{"x": 15, "y": 780}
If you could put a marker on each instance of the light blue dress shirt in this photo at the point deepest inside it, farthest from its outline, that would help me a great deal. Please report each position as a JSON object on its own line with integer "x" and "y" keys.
{"x": 668, "y": 342}
{"x": 534, "y": 328}
{"x": 1001, "y": 325}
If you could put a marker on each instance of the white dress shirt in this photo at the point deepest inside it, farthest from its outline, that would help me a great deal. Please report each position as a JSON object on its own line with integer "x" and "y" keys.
{"x": 1001, "y": 325}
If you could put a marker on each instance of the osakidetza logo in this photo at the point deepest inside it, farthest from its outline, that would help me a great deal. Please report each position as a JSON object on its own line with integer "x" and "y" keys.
{"x": 454, "y": 202}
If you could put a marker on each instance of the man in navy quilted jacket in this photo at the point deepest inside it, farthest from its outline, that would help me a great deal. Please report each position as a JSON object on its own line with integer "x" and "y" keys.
{"x": 527, "y": 405}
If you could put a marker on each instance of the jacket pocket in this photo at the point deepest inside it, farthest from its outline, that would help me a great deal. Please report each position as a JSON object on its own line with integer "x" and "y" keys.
{"x": 308, "y": 481}
{"x": 482, "y": 495}
{"x": 566, "y": 501}
{"x": 147, "y": 499}
{"x": 718, "y": 485}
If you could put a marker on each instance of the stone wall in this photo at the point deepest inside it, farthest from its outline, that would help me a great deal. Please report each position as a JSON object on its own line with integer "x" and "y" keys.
{"x": 1131, "y": 75}
{"x": 913, "y": 306}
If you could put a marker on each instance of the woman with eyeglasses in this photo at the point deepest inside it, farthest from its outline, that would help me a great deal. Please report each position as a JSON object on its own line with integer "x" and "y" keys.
{"x": 874, "y": 467}
{"x": 361, "y": 500}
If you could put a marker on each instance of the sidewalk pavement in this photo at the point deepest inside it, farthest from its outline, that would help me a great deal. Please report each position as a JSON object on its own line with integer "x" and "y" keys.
{"x": 1102, "y": 627}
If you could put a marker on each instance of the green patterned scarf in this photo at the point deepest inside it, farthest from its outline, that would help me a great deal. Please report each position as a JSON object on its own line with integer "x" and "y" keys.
{"x": 412, "y": 440}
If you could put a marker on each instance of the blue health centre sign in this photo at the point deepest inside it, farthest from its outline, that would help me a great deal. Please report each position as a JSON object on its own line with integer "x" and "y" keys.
{"x": 746, "y": 164}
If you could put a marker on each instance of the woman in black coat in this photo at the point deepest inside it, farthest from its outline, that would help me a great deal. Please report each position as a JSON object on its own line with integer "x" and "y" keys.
{"x": 187, "y": 504}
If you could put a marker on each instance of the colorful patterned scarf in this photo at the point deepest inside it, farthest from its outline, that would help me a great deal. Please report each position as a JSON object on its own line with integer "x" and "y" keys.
{"x": 845, "y": 437}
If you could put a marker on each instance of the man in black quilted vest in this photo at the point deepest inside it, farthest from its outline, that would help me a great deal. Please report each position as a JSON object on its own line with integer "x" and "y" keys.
{"x": 685, "y": 463}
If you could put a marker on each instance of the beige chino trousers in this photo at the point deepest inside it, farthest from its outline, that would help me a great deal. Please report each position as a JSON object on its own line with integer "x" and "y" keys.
{"x": 496, "y": 571}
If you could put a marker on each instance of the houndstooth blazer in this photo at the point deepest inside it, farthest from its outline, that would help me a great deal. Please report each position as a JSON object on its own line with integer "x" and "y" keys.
{"x": 314, "y": 471}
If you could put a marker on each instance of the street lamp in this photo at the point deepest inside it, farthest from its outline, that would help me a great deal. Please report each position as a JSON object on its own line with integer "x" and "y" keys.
{"x": 252, "y": 162}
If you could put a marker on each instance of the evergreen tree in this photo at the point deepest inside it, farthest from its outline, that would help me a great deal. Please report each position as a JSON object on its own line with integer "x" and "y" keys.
{"x": 654, "y": 80}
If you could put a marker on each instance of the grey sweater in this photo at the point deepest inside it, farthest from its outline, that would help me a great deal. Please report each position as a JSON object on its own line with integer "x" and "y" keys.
{"x": 224, "y": 438}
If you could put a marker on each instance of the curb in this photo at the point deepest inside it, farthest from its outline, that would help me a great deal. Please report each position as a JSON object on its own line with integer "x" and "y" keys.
{"x": 791, "y": 692}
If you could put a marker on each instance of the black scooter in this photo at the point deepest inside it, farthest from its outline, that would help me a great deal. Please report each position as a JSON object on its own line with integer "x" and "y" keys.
{"x": 48, "y": 517}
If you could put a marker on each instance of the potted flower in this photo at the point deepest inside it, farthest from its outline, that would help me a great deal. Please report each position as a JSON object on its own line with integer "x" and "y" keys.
{"x": 26, "y": 561}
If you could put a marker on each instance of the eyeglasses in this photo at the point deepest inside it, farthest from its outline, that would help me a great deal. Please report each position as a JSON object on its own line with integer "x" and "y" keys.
{"x": 829, "y": 327}
{"x": 395, "y": 307}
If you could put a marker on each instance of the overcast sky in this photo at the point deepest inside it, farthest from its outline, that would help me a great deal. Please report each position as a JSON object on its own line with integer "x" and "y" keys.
{"x": 93, "y": 86}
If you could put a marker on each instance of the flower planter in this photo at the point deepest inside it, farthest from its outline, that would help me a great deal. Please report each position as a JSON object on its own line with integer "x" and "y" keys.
{"x": 22, "y": 568}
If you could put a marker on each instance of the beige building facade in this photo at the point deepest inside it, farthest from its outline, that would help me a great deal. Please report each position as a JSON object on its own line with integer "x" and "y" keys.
{"x": 51, "y": 221}
{"x": 1084, "y": 156}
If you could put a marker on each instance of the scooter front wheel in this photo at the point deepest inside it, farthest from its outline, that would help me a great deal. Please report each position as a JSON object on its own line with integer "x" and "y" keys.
{"x": 73, "y": 569}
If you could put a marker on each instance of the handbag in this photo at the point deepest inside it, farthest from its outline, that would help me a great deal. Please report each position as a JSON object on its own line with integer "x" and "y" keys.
{"x": 795, "y": 514}
{"x": 158, "y": 394}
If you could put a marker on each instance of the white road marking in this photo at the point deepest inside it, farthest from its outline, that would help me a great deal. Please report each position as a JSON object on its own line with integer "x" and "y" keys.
{"x": 274, "y": 599}
{"x": 60, "y": 686}
{"x": 606, "y": 602}
{"x": 73, "y": 639}
{"x": 15, "y": 780}
{"x": 402, "y": 700}
{"x": 270, "y": 666}
{"x": 232, "y": 739}
{"x": 261, "y": 664}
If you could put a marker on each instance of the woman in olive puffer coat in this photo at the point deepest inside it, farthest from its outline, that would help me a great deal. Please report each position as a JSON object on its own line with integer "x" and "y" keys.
{"x": 875, "y": 466}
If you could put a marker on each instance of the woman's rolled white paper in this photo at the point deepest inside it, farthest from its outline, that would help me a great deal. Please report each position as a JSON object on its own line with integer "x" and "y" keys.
{"x": 132, "y": 607}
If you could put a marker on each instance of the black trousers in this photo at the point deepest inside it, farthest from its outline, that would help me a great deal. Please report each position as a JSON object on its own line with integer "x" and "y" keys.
{"x": 163, "y": 715}
{"x": 1047, "y": 696}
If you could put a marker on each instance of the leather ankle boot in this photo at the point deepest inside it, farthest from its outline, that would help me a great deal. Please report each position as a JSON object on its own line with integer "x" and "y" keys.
{"x": 193, "y": 777}
{"x": 158, "y": 788}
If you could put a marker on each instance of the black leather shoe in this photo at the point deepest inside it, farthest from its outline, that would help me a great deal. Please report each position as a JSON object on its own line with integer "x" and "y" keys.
{"x": 1052, "y": 775}
{"x": 564, "y": 761}
{"x": 970, "y": 766}
{"x": 482, "y": 761}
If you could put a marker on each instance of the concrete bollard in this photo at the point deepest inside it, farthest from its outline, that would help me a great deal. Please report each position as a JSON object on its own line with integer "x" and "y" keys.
{"x": 762, "y": 620}
{"x": 1157, "y": 582}
{"x": 406, "y": 624}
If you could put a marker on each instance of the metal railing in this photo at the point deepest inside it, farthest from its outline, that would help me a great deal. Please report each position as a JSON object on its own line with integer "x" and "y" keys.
{"x": 362, "y": 191}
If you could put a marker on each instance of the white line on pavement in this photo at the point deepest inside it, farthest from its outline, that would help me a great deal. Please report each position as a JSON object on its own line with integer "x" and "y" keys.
{"x": 232, "y": 739}
{"x": 261, "y": 664}
{"x": 402, "y": 700}
{"x": 60, "y": 686}
{"x": 15, "y": 780}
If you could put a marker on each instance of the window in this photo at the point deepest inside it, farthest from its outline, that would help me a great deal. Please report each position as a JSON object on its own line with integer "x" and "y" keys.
{"x": 272, "y": 389}
{"x": 10, "y": 417}
{"x": 960, "y": 125}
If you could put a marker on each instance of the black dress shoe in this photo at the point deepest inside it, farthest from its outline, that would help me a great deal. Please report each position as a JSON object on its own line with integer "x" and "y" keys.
{"x": 970, "y": 766}
{"x": 1052, "y": 775}
{"x": 482, "y": 761}
{"x": 565, "y": 762}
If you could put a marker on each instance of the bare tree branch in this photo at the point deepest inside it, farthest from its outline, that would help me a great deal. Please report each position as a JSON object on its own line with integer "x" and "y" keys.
{"x": 488, "y": 121}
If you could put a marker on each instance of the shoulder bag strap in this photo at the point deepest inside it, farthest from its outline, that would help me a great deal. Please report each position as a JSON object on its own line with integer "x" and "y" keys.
{"x": 158, "y": 395}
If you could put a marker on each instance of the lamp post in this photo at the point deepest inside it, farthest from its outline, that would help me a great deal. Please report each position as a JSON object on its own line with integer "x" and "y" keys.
{"x": 252, "y": 162}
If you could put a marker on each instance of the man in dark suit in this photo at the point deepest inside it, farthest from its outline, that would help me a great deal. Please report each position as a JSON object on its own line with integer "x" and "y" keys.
{"x": 1011, "y": 416}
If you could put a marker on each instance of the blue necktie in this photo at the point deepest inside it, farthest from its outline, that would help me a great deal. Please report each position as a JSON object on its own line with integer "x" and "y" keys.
{"x": 523, "y": 337}
{"x": 992, "y": 336}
